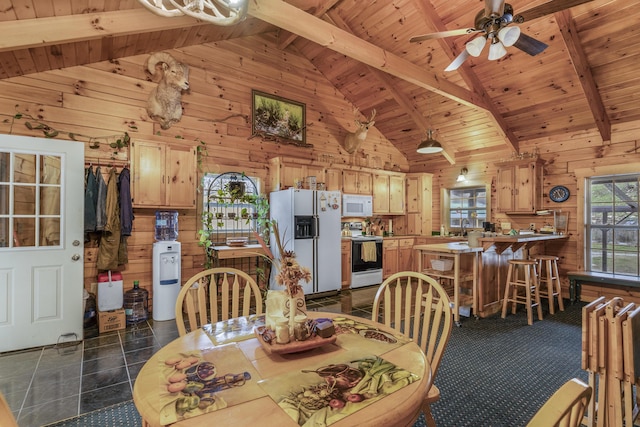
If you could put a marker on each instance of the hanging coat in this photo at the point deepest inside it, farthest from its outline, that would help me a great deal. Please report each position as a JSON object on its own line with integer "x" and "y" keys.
{"x": 126, "y": 208}
{"x": 101, "y": 204}
{"x": 126, "y": 215}
{"x": 90, "y": 199}
{"x": 110, "y": 240}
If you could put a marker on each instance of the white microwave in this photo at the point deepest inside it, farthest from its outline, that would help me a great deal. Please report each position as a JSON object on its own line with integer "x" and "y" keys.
{"x": 357, "y": 205}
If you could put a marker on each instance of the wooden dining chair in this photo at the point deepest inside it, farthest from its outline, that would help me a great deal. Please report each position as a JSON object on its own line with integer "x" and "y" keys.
{"x": 565, "y": 408}
{"x": 6, "y": 416}
{"x": 216, "y": 294}
{"x": 428, "y": 323}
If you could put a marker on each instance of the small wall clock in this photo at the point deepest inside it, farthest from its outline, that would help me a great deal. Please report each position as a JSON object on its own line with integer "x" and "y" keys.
{"x": 559, "y": 193}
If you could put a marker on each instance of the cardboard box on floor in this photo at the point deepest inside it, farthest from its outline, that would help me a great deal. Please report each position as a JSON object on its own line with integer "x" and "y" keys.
{"x": 113, "y": 320}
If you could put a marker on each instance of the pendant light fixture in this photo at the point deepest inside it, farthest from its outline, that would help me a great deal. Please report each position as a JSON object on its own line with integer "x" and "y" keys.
{"x": 463, "y": 175}
{"x": 429, "y": 145}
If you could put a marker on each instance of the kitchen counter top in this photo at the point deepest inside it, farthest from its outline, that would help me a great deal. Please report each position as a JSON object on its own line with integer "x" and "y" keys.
{"x": 518, "y": 241}
{"x": 450, "y": 248}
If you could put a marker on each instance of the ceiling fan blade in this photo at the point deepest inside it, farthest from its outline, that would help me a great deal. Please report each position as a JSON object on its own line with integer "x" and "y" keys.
{"x": 458, "y": 61}
{"x": 546, "y": 9}
{"x": 529, "y": 45}
{"x": 443, "y": 34}
{"x": 493, "y": 7}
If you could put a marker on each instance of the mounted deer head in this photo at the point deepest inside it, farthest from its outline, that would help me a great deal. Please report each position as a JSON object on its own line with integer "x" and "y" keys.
{"x": 354, "y": 139}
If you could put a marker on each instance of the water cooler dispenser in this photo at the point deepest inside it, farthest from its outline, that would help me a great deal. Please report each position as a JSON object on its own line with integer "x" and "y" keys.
{"x": 166, "y": 266}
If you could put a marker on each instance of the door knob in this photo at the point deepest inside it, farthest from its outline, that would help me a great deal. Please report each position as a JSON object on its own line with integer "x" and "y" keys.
{"x": 76, "y": 243}
{"x": 75, "y": 257}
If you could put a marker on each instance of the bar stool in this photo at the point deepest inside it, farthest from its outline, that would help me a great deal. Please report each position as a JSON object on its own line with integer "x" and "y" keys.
{"x": 531, "y": 297}
{"x": 549, "y": 280}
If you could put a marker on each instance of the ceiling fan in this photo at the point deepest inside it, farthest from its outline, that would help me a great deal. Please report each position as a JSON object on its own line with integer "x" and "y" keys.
{"x": 493, "y": 22}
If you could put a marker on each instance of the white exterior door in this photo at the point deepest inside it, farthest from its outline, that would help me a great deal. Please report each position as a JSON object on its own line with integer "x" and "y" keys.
{"x": 41, "y": 241}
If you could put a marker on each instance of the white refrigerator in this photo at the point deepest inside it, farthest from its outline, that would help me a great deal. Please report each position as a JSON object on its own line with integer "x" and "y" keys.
{"x": 309, "y": 225}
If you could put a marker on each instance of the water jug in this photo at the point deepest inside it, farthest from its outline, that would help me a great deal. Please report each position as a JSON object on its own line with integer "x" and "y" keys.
{"x": 136, "y": 302}
{"x": 166, "y": 225}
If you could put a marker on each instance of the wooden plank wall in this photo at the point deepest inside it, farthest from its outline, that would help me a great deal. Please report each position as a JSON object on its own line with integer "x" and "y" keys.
{"x": 107, "y": 99}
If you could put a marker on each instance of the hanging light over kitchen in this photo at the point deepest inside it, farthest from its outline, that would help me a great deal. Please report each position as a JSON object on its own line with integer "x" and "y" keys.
{"x": 429, "y": 145}
{"x": 463, "y": 175}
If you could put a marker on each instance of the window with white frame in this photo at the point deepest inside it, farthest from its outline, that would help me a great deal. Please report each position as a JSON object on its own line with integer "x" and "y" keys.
{"x": 611, "y": 224}
{"x": 465, "y": 207}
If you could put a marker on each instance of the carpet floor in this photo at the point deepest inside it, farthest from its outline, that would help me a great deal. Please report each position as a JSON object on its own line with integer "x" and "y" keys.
{"x": 495, "y": 373}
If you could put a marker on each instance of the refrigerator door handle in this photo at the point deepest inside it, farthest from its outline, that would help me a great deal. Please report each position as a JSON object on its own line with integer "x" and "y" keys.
{"x": 316, "y": 219}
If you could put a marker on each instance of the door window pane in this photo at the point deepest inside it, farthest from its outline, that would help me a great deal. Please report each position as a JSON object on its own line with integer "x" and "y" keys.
{"x": 24, "y": 232}
{"x": 30, "y": 206}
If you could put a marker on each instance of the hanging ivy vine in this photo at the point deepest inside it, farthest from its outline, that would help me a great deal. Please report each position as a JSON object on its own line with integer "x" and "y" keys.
{"x": 116, "y": 142}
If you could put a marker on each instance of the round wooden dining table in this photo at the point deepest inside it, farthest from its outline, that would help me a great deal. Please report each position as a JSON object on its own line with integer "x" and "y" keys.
{"x": 254, "y": 406}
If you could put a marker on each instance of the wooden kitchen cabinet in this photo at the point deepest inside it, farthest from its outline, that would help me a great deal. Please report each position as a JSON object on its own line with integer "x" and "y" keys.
{"x": 388, "y": 194}
{"x": 380, "y": 194}
{"x": 284, "y": 173}
{"x": 519, "y": 187}
{"x": 405, "y": 254}
{"x": 419, "y": 203}
{"x": 356, "y": 182}
{"x": 164, "y": 175}
{"x": 397, "y": 255}
{"x": 389, "y": 257}
{"x": 345, "y": 248}
{"x": 333, "y": 179}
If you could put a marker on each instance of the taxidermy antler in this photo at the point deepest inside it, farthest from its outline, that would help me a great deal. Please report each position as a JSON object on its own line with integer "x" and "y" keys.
{"x": 354, "y": 139}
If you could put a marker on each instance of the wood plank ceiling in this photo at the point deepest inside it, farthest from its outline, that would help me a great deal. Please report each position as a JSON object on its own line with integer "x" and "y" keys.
{"x": 586, "y": 79}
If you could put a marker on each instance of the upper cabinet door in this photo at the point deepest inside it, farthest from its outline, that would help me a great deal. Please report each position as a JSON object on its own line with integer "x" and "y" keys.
{"x": 164, "y": 175}
{"x": 147, "y": 165}
{"x": 181, "y": 176}
{"x": 519, "y": 187}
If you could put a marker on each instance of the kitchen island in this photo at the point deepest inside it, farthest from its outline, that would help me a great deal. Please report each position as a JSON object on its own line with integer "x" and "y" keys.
{"x": 496, "y": 253}
{"x": 454, "y": 262}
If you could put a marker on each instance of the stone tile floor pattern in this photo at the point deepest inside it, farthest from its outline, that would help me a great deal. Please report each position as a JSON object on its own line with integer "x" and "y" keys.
{"x": 48, "y": 384}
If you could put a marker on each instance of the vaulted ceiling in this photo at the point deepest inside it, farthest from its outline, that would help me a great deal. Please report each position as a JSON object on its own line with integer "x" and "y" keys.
{"x": 586, "y": 79}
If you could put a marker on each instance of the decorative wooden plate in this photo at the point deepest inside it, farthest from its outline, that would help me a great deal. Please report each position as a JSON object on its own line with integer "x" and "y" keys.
{"x": 293, "y": 346}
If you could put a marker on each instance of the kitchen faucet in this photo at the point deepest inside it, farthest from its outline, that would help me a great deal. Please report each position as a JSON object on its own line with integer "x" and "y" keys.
{"x": 462, "y": 223}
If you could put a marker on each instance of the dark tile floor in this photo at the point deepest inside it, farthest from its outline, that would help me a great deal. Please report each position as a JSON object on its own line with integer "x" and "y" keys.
{"x": 48, "y": 384}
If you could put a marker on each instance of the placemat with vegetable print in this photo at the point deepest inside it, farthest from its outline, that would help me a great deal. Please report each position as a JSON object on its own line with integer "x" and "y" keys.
{"x": 324, "y": 394}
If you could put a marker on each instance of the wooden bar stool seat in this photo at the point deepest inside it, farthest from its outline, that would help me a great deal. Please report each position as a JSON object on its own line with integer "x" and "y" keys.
{"x": 549, "y": 280}
{"x": 522, "y": 275}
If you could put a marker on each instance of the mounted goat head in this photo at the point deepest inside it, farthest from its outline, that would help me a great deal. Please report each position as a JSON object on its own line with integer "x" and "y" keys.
{"x": 354, "y": 139}
{"x": 164, "y": 104}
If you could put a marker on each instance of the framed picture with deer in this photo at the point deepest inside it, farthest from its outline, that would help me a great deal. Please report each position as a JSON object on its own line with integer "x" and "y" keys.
{"x": 274, "y": 116}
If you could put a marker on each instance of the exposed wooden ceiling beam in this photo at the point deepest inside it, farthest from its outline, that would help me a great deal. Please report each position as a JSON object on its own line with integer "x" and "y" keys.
{"x": 430, "y": 16}
{"x": 290, "y": 18}
{"x": 579, "y": 60}
{"x": 40, "y": 32}
{"x": 400, "y": 98}
{"x": 286, "y": 37}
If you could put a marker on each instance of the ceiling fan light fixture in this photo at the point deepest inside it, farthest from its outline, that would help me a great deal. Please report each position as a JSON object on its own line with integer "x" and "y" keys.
{"x": 429, "y": 145}
{"x": 509, "y": 35}
{"x": 475, "y": 46}
{"x": 496, "y": 50}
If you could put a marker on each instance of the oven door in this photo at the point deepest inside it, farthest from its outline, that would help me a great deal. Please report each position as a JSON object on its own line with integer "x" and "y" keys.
{"x": 365, "y": 260}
